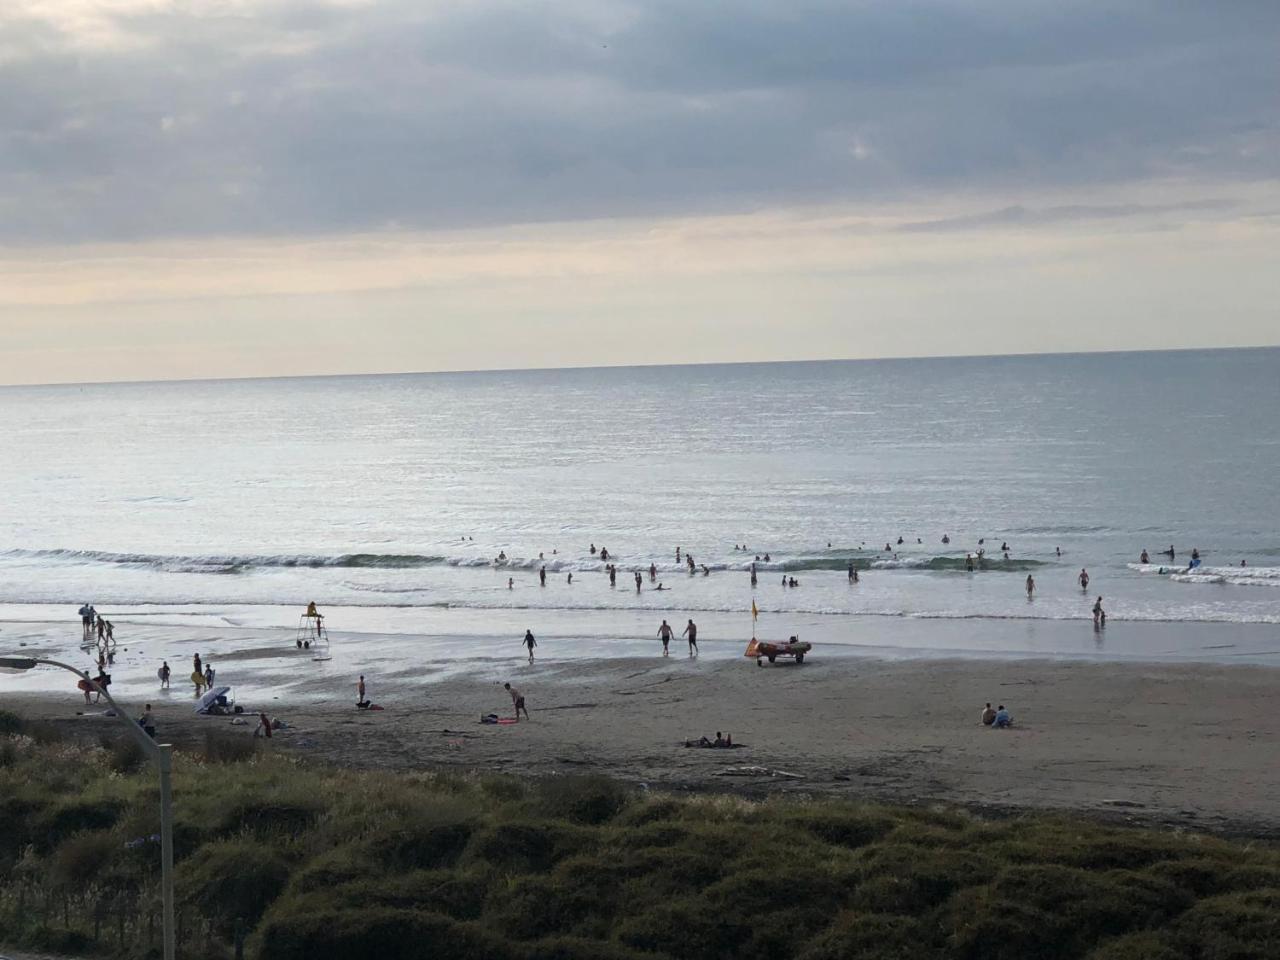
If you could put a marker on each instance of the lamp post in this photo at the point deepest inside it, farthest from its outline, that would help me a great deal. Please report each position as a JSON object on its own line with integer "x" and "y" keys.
{"x": 162, "y": 754}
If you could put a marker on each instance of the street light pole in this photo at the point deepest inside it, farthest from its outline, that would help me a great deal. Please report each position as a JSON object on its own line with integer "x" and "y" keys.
{"x": 162, "y": 754}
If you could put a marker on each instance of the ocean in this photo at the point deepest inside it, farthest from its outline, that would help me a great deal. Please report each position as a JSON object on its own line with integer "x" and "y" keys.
{"x": 386, "y": 499}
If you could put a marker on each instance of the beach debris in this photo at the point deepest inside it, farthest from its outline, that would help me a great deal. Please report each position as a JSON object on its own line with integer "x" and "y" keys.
{"x": 753, "y": 771}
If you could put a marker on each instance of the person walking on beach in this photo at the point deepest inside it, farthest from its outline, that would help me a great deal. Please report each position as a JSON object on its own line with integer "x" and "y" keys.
{"x": 1031, "y": 585}
{"x": 517, "y": 700}
{"x": 164, "y": 674}
{"x": 530, "y": 643}
{"x": 1084, "y": 579}
{"x": 691, "y": 631}
{"x": 1099, "y": 615}
{"x": 542, "y": 576}
{"x": 360, "y": 697}
{"x": 665, "y": 632}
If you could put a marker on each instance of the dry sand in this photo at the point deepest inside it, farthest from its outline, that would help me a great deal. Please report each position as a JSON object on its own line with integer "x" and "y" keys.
{"x": 1191, "y": 745}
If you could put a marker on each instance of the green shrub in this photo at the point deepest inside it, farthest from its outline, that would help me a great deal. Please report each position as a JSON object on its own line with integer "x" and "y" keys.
{"x": 686, "y": 930}
{"x": 232, "y": 879}
{"x": 526, "y": 846}
{"x": 74, "y": 816}
{"x": 870, "y": 936}
{"x": 10, "y": 723}
{"x": 375, "y": 934}
{"x": 286, "y": 816}
{"x": 427, "y": 839}
{"x": 587, "y": 800}
{"x": 82, "y": 857}
{"x": 1140, "y": 946}
{"x": 1236, "y": 926}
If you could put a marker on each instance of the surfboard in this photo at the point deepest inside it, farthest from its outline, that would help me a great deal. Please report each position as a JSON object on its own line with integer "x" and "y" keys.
{"x": 160, "y": 674}
{"x": 197, "y": 678}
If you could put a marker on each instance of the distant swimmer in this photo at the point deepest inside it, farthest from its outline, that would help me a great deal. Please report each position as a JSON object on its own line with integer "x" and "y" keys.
{"x": 530, "y": 643}
{"x": 511, "y": 583}
{"x": 653, "y": 571}
{"x": 677, "y": 554}
{"x": 793, "y": 582}
{"x": 852, "y": 573}
{"x": 569, "y": 579}
{"x": 542, "y": 576}
{"x": 918, "y": 540}
{"x": 1031, "y": 586}
{"x": 691, "y": 631}
{"x": 899, "y": 541}
{"x": 665, "y": 633}
{"x": 1004, "y": 547}
{"x": 659, "y": 586}
{"x": 1244, "y": 563}
{"x": 638, "y": 581}
{"x": 968, "y": 562}
{"x": 1084, "y": 579}
{"x": 1099, "y": 615}
{"x": 888, "y": 548}
{"x": 946, "y": 539}
{"x": 1058, "y": 551}
{"x": 766, "y": 558}
{"x": 593, "y": 549}
{"x": 706, "y": 571}
{"x": 613, "y": 576}
{"x": 1195, "y": 553}
{"x": 604, "y": 554}
{"x": 1169, "y": 553}
{"x": 1144, "y": 558}
{"x": 688, "y": 559}
{"x": 753, "y": 575}
{"x": 784, "y": 579}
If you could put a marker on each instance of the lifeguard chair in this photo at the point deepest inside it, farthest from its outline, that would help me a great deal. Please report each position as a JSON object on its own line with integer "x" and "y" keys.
{"x": 312, "y": 634}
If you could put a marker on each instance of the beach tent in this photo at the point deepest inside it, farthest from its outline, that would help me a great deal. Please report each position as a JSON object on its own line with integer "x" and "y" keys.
{"x": 210, "y": 698}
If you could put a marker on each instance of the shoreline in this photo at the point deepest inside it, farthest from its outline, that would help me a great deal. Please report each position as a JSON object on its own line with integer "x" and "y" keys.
{"x": 1175, "y": 744}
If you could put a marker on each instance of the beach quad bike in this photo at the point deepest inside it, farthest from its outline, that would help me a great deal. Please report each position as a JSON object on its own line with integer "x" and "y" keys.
{"x": 763, "y": 650}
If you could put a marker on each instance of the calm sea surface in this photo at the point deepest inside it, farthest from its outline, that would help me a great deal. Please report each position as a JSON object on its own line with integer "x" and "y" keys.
{"x": 210, "y": 499}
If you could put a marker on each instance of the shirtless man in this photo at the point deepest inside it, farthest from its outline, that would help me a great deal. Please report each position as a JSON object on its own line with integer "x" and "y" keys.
{"x": 691, "y": 631}
{"x": 666, "y": 633}
{"x": 1084, "y": 579}
{"x": 1031, "y": 585}
{"x": 517, "y": 700}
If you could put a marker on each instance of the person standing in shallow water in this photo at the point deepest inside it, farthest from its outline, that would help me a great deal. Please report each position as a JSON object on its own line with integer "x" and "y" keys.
{"x": 1031, "y": 586}
{"x": 1099, "y": 615}
{"x": 1084, "y": 579}
{"x": 542, "y": 576}
{"x": 665, "y": 633}
{"x": 691, "y": 631}
{"x": 530, "y": 643}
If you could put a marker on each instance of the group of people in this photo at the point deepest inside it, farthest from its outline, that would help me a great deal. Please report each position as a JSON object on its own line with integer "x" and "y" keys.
{"x": 997, "y": 719}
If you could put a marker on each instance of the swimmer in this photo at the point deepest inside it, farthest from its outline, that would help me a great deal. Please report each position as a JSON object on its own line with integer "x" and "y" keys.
{"x": 511, "y": 583}
{"x": 1144, "y": 558}
{"x": 593, "y": 549}
{"x": 653, "y": 571}
{"x": 1083, "y": 578}
{"x": 946, "y": 539}
{"x": 542, "y": 576}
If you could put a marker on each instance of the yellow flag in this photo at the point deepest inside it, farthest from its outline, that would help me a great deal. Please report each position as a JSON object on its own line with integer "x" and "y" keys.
{"x": 754, "y": 612}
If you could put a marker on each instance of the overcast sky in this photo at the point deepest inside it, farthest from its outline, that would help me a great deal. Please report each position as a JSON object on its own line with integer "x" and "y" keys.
{"x": 271, "y": 187}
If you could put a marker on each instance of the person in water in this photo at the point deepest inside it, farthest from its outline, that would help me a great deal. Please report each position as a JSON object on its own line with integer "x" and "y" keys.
{"x": 569, "y": 579}
{"x": 361, "y": 699}
{"x": 1083, "y": 578}
{"x": 1099, "y": 615}
{"x": 1144, "y": 558}
{"x": 1169, "y": 553}
{"x": 946, "y": 539}
{"x": 1195, "y": 553}
{"x": 530, "y": 643}
{"x": 853, "y": 574}
{"x": 165, "y": 673}
{"x": 593, "y": 549}
{"x": 1031, "y": 586}
{"x": 665, "y": 633}
{"x": 542, "y": 576}
{"x": 511, "y": 583}
{"x": 691, "y": 631}
{"x": 653, "y": 571}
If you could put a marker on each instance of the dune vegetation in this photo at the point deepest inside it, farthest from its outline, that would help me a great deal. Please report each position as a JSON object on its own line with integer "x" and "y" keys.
{"x": 299, "y": 860}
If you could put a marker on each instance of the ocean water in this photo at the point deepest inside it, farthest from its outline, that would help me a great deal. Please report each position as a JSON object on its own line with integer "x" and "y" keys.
{"x": 387, "y": 496}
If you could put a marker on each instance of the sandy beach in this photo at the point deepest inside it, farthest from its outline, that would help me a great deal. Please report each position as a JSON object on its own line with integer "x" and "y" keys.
{"x": 1187, "y": 744}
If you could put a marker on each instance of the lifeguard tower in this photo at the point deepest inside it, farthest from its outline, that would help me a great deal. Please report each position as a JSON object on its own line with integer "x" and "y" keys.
{"x": 312, "y": 634}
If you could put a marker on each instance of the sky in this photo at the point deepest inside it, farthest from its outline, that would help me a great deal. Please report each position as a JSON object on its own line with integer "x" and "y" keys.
{"x": 212, "y": 188}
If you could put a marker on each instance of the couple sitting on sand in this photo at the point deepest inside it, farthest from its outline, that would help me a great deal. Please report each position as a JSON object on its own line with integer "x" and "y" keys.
{"x": 997, "y": 719}
{"x": 721, "y": 742}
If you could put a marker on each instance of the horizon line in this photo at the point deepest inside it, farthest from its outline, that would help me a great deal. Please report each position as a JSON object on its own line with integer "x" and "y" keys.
{"x": 632, "y": 366}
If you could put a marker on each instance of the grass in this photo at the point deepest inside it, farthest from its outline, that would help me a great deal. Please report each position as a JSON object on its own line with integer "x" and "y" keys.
{"x": 308, "y": 861}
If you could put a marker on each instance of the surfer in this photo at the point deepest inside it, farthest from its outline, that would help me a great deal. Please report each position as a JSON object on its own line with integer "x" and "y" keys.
{"x": 1031, "y": 586}
{"x": 1195, "y": 553}
{"x": 691, "y": 631}
{"x": 665, "y": 633}
{"x": 1084, "y": 579}
{"x": 517, "y": 701}
{"x": 899, "y": 541}
{"x": 530, "y": 643}
{"x": 1169, "y": 553}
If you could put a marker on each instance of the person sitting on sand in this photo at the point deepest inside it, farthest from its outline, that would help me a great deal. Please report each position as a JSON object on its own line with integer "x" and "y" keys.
{"x": 517, "y": 700}
{"x": 1002, "y": 719}
{"x": 988, "y": 716}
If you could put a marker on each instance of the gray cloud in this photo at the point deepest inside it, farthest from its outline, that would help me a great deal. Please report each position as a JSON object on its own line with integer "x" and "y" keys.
{"x": 300, "y": 118}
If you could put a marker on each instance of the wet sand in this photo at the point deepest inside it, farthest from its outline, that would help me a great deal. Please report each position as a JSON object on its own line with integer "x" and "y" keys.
{"x": 1194, "y": 745}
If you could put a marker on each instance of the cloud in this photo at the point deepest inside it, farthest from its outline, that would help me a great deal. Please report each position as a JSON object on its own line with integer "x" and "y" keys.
{"x": 141, "y": 119}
